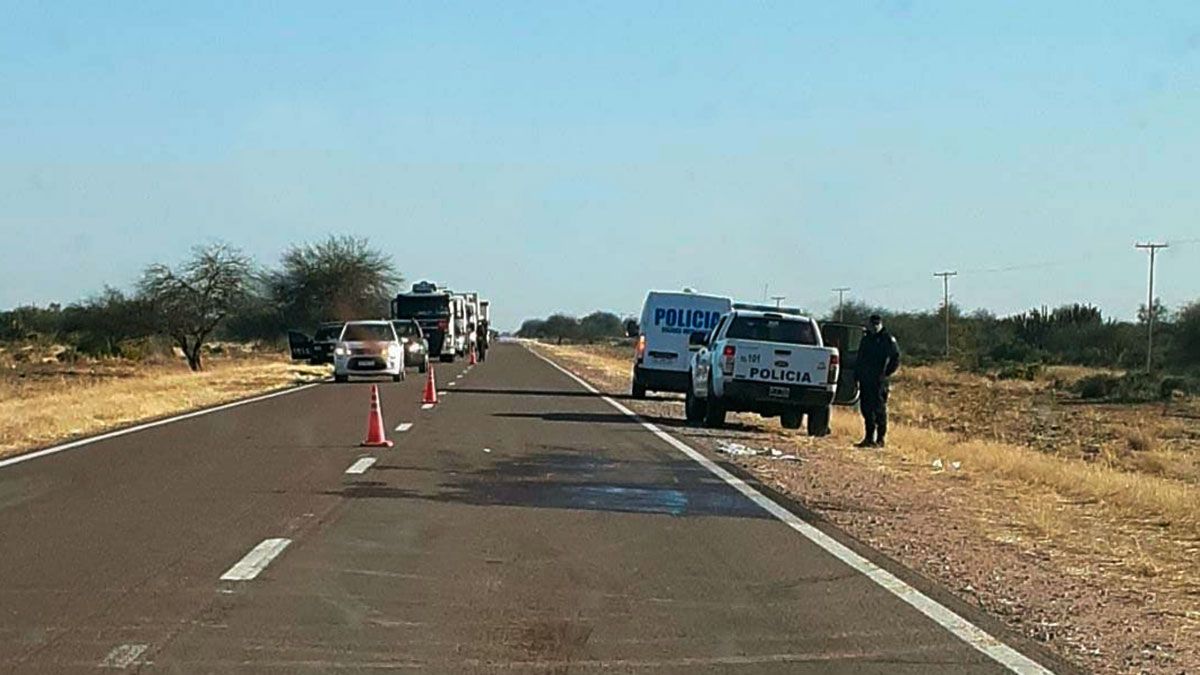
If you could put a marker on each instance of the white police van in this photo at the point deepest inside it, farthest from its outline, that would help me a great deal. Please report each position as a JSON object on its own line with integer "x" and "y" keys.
{"x": 669, "y": 318}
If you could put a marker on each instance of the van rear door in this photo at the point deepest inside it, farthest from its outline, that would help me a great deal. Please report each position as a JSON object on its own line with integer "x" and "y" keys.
{"x": 668, "y": 321}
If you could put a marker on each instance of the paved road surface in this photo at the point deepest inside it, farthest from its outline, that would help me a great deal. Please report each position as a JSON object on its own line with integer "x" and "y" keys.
{"x": 521, "y": 525}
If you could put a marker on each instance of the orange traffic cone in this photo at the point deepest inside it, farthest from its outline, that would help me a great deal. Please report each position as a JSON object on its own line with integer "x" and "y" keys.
{"x": 472, "y": 361}
{"x": 430, "y": 389}
{"x": 376, "y": 436}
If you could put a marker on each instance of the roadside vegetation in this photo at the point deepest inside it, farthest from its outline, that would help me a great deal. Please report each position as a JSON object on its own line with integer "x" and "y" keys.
{"x": 1075, "y": 520}
{"x": 217, "y": 294}
{"x": 205, "y": 331}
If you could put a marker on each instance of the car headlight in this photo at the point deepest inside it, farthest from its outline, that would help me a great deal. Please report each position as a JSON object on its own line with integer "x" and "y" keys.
{"x": 341, "y": 350}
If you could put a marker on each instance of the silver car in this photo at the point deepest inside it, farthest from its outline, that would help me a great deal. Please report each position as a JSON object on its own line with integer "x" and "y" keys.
{"x": 366, "y": 349}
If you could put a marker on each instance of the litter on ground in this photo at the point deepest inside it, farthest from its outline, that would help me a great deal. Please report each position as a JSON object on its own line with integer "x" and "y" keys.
{"x": 739, "y": 450}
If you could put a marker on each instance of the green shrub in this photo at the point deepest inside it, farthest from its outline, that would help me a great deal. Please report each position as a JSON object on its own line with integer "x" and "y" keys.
{"x": 1096, "y": 386}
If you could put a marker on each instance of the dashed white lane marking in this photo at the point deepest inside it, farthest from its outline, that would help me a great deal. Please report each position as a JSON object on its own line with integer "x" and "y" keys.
{"x": 256, "y": 560}
{"x": 361, "y": 465}
{"x": 941, "y": 615}
{"x": 123, "y": 656}
{"x": 149, "y": 425}
{"x": 452, "y": 383}
{"x": 487, "y": 449}
{"x": 441, "y": 392}
{"x": 404, "y": 426}
{"x": 427, "y": 406}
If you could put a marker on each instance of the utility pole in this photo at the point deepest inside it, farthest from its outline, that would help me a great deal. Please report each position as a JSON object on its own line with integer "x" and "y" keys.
{"x": 946, "y": 303}
{"x": 1153, "y": 249}
{"x": 778, "y": 299}
{"x": 841, "y": 291}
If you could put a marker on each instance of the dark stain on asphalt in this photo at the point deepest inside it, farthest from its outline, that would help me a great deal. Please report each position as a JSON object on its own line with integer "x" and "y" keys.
{"x": 578, "y": 481}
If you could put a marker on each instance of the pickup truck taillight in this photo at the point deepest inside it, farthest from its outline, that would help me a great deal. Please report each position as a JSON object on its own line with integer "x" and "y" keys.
{"x": 727, "y": 359}
{"x": 834, "y": 362}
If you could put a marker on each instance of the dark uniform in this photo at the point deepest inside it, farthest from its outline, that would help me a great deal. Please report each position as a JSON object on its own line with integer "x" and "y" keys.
{"x": 878, "y": 358}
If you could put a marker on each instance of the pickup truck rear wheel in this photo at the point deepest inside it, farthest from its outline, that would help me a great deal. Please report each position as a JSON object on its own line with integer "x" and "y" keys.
{"x": 693, "y": 408}
{"x": 818, "y": 422}
{"x": 714, "y": 410}
{"x": 791, "y": 420}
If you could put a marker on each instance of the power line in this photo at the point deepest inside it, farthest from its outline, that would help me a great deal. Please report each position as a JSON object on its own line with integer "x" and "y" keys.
{"x": 1153, "y": 249}
{"x": 841, "y": 291}
{"x": 946, "y": 302}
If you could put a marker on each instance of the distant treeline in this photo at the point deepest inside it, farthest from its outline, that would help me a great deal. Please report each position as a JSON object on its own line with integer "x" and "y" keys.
{"x": 1075, "y": 334}
{"x": 217, "y": 294}
{"x": 564, "y": 327}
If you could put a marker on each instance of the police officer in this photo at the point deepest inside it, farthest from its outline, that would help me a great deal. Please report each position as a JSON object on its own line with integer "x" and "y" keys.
{"x": 878, "y": 358}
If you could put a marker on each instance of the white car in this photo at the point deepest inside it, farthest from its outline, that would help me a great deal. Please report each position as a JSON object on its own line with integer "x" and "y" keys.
{"x": 368, "y": 348}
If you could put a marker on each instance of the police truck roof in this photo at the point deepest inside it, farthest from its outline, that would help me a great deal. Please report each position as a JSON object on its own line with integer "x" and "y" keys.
{"x": 784, "y": 314}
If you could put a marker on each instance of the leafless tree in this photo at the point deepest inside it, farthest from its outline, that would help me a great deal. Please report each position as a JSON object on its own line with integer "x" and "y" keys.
{"x": 191, "y": 301}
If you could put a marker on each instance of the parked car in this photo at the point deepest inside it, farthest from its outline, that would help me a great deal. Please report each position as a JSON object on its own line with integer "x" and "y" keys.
{"x": 368, "y": 348}
{"x": 412, "y": 339}
{"x": 324, "y": 340}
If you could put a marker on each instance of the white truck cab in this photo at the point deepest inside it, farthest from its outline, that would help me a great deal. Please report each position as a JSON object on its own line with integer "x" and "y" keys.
{"x": 769, "y": 363}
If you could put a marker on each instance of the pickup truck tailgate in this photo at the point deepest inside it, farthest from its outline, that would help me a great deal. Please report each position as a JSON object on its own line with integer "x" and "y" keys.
{"x": 780, "y": 363}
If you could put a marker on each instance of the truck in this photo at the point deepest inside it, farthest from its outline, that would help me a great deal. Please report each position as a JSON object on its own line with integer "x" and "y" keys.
{"x": 471, "y": 332}
{"x": 765, "y": 362}
{"x": 441, "y": 315}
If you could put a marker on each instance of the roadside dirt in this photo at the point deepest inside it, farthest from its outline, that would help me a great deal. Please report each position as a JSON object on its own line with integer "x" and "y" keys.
{"x": 1107, "y": 589}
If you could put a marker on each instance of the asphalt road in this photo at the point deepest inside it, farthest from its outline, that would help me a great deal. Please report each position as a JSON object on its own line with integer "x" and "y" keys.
{"x": 523, "y": 524}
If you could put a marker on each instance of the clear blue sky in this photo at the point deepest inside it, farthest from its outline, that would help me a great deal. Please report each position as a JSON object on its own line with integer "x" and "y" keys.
{"x": 569, "y": 156}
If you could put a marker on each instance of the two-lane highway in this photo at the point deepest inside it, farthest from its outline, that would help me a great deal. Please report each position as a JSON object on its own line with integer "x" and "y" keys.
{"x": 522, "y": 524}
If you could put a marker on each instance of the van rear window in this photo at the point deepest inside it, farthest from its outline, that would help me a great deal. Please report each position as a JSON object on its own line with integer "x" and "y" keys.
{"x": 768, "y": 329}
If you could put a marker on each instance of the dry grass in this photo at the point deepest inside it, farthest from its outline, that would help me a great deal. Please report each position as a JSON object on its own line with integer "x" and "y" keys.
{"x": 43, "y": 405}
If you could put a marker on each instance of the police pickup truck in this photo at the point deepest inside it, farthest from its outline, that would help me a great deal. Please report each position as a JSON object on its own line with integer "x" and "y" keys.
{"x": 768, "y": 363}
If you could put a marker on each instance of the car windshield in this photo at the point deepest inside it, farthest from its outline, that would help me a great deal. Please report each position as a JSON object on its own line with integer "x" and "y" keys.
{"x": 367, "y": 332}
{"x": 406, "y": 329}
{"x": 772, "y": 329}
{"x": 326, "y": 333}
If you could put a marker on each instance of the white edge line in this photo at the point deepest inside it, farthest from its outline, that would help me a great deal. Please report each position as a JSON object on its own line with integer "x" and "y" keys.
{"x": 361, "y": 465}
{"x": 943, "y": 616}
{"x": 404, "y": 426}
{"x": 256, "y": 560}
{"x": 149, "y": 425}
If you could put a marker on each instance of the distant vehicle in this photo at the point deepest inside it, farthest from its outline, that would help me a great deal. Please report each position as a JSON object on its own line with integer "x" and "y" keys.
{"x": 319, "y": 348}
{"x": 662, "y": 355}
{"x": 769, "y": 363}
{"x": 367, "y": 348}
{"x": 412, "y": 339}
{"x": 440, "y": 314}
{"x": 324, "y": 340}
